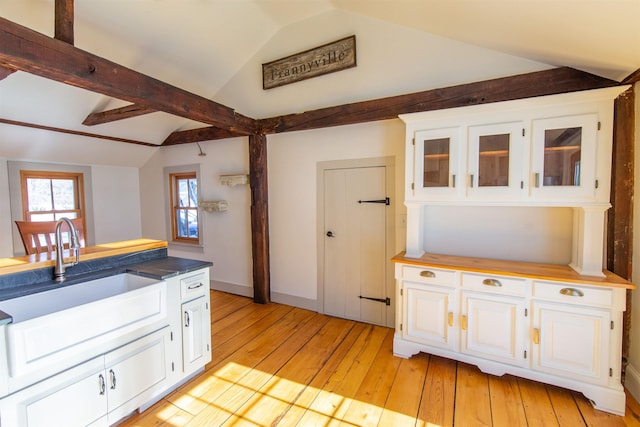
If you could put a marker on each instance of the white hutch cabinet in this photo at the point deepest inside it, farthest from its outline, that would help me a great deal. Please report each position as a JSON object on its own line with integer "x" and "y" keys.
{"x": 556, "y": 323}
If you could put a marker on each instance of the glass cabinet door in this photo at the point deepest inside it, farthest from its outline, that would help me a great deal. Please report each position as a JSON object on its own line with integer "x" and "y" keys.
{"x": 436, "y": 158}
{"x": 564, "y": 156}
{"x": 496, "y": 161}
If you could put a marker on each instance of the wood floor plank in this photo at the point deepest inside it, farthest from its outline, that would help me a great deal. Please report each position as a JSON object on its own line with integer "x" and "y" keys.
{"x": 332, "y": 401}
{"x": 565, "y": 407}
{"x": 283, "y": 366}
{"x": 537, "y": 405}
{"x": 366, "y": 407}
{"x": 438, "y": 396}
{"x": 506, "y": 402}
{"x": 401, "y": 408}
{"x": 197, "y": 395}
{"x": 250, "y": 380}
{"x": 473, "y": 405}
{"x": 593, "y": 417}
{"x": 271, "y": 400}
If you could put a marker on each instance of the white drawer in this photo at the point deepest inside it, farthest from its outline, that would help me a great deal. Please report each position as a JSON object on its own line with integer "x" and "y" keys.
{"x": 434, "y": 276}
{"x": 494, "y": 283}
{"x": 574, "y": 294}
{"x": 193, "y": 286}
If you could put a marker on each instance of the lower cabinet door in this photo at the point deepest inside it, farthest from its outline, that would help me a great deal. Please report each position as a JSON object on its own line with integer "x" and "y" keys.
{"x": 571, "y": 341}
{"x": 136, "y": 373}
{"x": 429, "y": 315}
{"x": 76, "y": 397}
{"x": 493, "y": 327}
{"x": 196, "y": 332}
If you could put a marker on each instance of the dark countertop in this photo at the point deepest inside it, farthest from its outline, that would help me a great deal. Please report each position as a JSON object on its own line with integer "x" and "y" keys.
{"x": 160, "y": 268}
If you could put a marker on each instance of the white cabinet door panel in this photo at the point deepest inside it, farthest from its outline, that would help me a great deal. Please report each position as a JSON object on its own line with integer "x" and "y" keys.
{"x": 429, "y": 315}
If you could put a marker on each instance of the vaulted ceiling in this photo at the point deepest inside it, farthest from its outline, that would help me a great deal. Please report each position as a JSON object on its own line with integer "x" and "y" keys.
{"x": 215, "y": 48}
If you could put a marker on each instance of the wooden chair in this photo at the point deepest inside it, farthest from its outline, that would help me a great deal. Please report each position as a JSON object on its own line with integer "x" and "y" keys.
{"x": 39, "y": 236}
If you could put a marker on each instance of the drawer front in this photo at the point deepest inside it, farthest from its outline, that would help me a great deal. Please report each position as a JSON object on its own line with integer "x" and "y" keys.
{"x": 194, "y": 286}
{"x": 433, "y": 276}
{"x": 494, "y": 283}
{"x": 573, "y": 294}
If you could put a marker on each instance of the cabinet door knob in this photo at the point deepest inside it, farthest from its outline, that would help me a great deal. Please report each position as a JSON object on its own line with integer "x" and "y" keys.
{"x": 463, "y": 322}
{"x": 427, "y": 273}
{"x": 101, "y": 384}
{"x": 572, "y": 292}
{"x": 536, "y": 336}
{"x": 492, "y": 282}
{"x": 187, "y": 320}
{"x": 112, "y": 378}
{"x": 451, "y": 318}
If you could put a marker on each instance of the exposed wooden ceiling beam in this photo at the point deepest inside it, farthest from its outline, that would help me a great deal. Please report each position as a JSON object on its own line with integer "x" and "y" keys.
{"x": 632, "y": 78}
{"x": 64, "y": 21}
{"x": 26, "y": 50}
{"x": 126, "y": 112}
{"x": 199, "y": 134}
{"x": 74, "y": 132}
{"x": 554, "y": 81}
{"x": 5, "y": 71}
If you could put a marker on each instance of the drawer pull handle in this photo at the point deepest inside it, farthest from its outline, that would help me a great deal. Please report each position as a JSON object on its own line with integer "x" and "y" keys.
{"x": 492, "y": 282}
{"x": 572, "y": 292}
{"x": 463, "y": 322}
{"x": 450, "y": 318}
{"x": 101, "y": 384}
{"x": 196, "y": 286}
{"x": 536, "y": 336}
{"x": 427, "y": 273}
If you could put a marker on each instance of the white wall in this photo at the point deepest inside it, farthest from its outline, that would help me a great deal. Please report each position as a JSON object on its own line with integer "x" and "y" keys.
{"x": 226, "y": 235}
{"x": 116, "y": 203}
{"x": 6, "y": 243}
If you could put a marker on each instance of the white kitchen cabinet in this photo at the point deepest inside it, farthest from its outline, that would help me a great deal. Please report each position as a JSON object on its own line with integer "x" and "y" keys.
{"x": 196, "y": 335}
{"x": 493, "y": 327}
{"x": 564, "y": 159}
{"x": 538, "y": 321}
{"x": 429, "y": 315}
{"x": 196, "y": 321}
{"x": 98, "y": 392}
{"x": 571, "y": 341}
{"x": 438, "y": 164}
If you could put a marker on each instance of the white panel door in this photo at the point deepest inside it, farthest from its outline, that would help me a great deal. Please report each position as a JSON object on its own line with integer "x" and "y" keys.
{"x": 429, "y": 315}
{"x": 354, "y": 250}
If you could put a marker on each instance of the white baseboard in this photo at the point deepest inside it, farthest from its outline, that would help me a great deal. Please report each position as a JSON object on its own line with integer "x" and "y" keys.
{"x": 280, "y": 298}
{"x": 299, "y": 302}
{"x": 232, "y": 288}
{"x": 632, "y": 381}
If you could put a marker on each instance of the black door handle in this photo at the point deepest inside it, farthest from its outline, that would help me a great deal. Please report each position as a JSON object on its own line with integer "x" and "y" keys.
{"x": 330, "y": 234}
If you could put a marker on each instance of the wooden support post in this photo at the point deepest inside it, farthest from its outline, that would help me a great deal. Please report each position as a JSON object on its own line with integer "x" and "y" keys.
{"x": 64, "y": 21}
{"x": 620, "y": 219}
{"x": 259, "y": 218}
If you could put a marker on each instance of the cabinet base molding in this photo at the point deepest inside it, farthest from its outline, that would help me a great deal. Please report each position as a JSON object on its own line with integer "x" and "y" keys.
{"x": 608, "y": 399}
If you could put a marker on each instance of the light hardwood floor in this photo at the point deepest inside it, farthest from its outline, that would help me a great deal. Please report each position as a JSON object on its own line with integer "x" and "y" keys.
{"x": 278, "y": 365}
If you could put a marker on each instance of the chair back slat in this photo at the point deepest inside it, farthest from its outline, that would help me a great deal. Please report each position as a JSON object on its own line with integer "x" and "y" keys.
{"x": 39, "y": 236}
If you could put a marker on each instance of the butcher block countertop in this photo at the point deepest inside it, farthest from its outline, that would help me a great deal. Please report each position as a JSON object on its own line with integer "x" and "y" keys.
{"x": 38, "y": 261}
{"x": 537, "y": 271}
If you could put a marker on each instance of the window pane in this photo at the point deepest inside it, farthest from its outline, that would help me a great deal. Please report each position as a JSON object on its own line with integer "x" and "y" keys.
{"x": 63, "y": 194}
{"x": 193, "y": 223}
{"x": 181, "y": 218}
{"x": 493, "y": 168}
{"x": 193, "y": 193}
{"x": 436, "y": 162}
{"x": 41, "y": 217}
{"x": 183, "y": 192}
{"x": 39, "y": 194}
{"x": 562, "y": 156}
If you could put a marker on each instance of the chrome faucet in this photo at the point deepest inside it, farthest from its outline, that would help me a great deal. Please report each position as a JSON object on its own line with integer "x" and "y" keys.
{"x": 74, "y": 245}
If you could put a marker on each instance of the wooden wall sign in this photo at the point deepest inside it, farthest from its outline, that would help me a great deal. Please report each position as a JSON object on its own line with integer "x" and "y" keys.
{"x": 325, "y": 59}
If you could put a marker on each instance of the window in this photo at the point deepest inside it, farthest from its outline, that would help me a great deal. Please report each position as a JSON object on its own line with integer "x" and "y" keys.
{"x": 49, "y": 196}
{"x": 184, "y": 207}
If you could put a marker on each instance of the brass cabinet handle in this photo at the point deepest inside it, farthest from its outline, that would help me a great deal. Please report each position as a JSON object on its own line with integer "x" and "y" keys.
{"x": 572, "y": 292}
{"x": 471, "y": 180}
{"x": 427, "y": 273}
{"x": 536, "y": 336}
{"x": 492, "y": 282}
{"x": 463, "y": 322}
{"x": 453, "y": 180}
{"x": 537, "y": 180}
{"x": 451, "y": 318}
